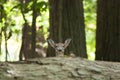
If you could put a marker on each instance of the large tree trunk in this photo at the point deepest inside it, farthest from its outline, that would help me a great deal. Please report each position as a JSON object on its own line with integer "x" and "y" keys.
{"x": 54, "y": 24}
{"x": 66, "y": 21}
{"x": 108, "y": 30}
{"x": 60, "y": 69}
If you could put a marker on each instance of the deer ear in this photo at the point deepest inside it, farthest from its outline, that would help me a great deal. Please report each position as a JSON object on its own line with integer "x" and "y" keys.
{"x": 51, "y": 42}
{"x": 67, "y": 42}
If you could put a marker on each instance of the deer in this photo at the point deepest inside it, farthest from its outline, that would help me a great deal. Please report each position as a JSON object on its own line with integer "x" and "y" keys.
{"x": 59, "y": 47}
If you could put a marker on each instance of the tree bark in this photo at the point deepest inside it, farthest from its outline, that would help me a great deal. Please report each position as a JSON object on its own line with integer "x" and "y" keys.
{"x": 25, "y": 50}
{"x": 108, "y": 30}
{"x": 67, "y": 21}
{"x": 60, "y": 69}
{"x": 26, "y": 42}
{"x": 33, "y": 38}
{"x": 28, "y": 34}
{"x": 0, "y": 42}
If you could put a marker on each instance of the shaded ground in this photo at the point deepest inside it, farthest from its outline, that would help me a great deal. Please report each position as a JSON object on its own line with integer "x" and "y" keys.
{"x": 59, "y": 69}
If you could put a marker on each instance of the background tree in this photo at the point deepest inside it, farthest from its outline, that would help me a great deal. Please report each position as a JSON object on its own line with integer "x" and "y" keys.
{"x": 33, "y": 37}
{"x": 108, "y": 30}
{"x": 26, "y": 33}
{"x": 11, "y": 21}
{"x": 29, "y": 31}
{"x": 16, "y": 21}
{"x": 5, "y": 28}
{"x": 67, "y": 21}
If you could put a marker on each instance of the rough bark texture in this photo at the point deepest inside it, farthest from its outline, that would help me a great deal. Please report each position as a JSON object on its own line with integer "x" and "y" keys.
{"x": 26, "y": 42}
{"x": 28, "y": 33}
{"x": 108, "y": 30}
{"x": 66, "y": 21}
{"x": 60, "y": 69}
{"x": 33, "y": 37}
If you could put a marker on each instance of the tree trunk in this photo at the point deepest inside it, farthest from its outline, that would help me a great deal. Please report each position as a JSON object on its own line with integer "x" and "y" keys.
{"x": 28, "y": 34}
{"x": 25, "y": 50}
{"x": 33, "y": 38}
{"x": 108, "y": 30}
{"x": 66, "y": 21}
{"x": 73, "y": 22}
{"x": 0, "y": 42}
{"x": 61, "y": 68}
{"x": 26, "y": 42}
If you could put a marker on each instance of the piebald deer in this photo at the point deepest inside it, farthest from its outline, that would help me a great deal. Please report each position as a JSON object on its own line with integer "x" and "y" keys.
{"x": 59, "y": 47}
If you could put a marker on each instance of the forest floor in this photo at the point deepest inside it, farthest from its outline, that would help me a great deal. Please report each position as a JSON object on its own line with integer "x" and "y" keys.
{"x": 59, "y": 68}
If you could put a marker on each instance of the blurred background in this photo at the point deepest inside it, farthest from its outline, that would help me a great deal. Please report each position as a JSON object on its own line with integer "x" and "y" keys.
{"x": 11, "y": 24}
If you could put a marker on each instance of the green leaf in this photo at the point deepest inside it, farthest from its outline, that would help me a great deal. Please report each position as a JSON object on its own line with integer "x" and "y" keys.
{"x": 42, "y": 6}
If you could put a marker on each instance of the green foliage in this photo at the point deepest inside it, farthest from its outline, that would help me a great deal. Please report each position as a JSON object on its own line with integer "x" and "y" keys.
{"x": 42, "y": 6}
{"x": 90, "y": 23}
{"x": 12, "y": 21}
{"x": 90, "y": 11}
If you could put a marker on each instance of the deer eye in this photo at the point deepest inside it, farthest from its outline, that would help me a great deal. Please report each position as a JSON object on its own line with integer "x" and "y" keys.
{"x": 55, "y": 45}
{"x": 63, "y": 45}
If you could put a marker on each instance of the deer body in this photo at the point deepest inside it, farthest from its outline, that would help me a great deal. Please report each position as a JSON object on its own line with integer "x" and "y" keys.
{"x": 59, "y": 47}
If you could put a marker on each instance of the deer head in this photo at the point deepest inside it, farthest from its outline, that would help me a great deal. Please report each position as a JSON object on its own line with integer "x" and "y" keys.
{"x": 59, "y": 47}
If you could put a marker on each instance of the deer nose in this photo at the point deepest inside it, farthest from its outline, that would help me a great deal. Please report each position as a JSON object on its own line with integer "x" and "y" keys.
{"x": 59, "y": 50}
